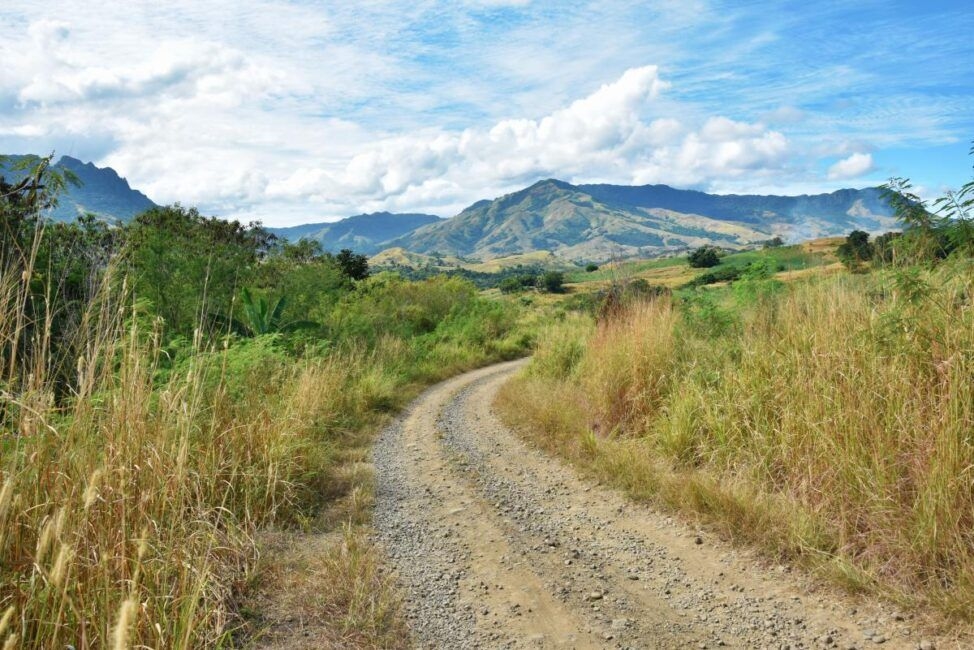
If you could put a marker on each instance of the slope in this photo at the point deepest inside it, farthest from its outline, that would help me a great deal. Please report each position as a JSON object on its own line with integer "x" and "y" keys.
{"x": 598, "y": 222}
{"x": 101, "y": 192}
{"x": 363, "y": 233}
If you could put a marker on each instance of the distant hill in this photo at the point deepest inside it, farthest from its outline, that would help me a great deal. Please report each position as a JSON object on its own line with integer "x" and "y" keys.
{"x": 102, "y": 192}
{"x": 393, "y": 258}
{"x": 599, "y": 222}
{"x": 363, "y": 233}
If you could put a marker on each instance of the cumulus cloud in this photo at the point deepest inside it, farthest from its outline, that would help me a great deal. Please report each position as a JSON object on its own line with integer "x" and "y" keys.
{"x": 302, "y": 111}
{"x": 605, "y": 134}
{"x": 852, "y": 167}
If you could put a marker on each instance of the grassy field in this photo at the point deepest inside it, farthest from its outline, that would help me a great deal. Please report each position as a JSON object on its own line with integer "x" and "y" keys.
{"x": 826, "y": 419}
{"x": 674, "y": 272}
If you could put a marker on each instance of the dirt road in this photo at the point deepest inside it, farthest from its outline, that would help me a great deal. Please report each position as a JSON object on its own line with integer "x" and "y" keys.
{"x": 499, "y": 546}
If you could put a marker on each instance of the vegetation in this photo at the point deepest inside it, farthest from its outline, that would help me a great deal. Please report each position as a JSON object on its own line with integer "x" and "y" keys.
{"x": 181, "y": 392}
{"x": 827, "y": 420}
{"x": 856, "y": 250}
{"x": 704, "y": 257}
{"x": 183, "y": 395}
{"x": 548, "y": 281}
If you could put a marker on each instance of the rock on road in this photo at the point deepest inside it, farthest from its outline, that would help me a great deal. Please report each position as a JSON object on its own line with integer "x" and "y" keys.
{"x": 497, "y": 545}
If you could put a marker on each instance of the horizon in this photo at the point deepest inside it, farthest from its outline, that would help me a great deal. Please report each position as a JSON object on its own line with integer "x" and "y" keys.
{"x": 430, "y": 107}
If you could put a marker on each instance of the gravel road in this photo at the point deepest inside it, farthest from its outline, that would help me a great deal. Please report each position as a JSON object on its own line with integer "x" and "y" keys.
{"x": 497, "y": 545}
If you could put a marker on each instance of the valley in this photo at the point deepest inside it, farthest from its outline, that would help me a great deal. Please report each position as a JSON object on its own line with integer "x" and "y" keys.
{"x": 486, "y": 325}
{"x": 720, "y": 447}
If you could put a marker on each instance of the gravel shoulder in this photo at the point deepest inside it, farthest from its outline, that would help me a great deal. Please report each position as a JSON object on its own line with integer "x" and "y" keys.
{"x": 497, "y": 545}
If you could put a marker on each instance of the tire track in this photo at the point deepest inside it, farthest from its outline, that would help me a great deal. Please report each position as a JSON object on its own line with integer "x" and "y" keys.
{"x": 497, "y": 545}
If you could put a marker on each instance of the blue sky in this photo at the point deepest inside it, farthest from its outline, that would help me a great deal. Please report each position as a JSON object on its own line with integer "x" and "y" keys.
{"x": 290, "y": 112}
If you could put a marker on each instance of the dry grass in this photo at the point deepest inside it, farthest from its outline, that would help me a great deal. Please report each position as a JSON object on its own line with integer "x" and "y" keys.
{"x": 324, "y": 591}
{"x": 831, "y": 423}
{"x": 150, "y": 497}
{"x": 128, "y": 512}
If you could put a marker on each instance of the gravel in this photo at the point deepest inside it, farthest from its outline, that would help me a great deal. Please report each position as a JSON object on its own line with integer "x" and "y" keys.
{"x": 496, "y": 545}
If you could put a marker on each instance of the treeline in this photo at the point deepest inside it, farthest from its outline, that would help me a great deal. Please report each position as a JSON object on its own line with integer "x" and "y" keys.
{"x": 513, "y": 279}
{"x": 930, "y": 233}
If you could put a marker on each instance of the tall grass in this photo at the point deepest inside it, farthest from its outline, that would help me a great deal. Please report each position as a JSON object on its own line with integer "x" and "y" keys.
{"x": 831, "y": 421}
{"x": 128, "y": 517}
{"x": 129, "y": 508}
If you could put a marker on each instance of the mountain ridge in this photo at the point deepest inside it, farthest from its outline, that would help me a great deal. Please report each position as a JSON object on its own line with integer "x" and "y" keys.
{"x": 102, "y": 191}
{"x": 595, "y": 222}
{"x": 363, "y": 233}
{"x": 582, "y": 223}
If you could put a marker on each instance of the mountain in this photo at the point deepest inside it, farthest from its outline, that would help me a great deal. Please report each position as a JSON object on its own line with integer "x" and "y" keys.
{"x": 598, "y": 222}
{"x": 102, "y": 191}
{"x": 363, "y": 233}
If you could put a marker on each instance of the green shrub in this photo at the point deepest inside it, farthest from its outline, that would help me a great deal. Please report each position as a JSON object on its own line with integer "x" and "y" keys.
{"x": 552, "y": 281}
{"x": 704, "y": 257}
{"x": 856, "y": 250}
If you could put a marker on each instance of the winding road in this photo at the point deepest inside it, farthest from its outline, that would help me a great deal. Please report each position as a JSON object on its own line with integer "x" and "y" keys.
{"x": 497, "y": 545}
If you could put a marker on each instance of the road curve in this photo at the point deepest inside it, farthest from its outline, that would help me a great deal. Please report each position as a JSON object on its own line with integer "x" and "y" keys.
{"x": 497, "y": 545}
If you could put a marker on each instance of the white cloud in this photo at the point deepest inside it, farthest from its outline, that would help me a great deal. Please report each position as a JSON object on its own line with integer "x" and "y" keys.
{"x": 852, "y": 167}
{"x": 300, "y": 111}
{"x": 605, "y": 135}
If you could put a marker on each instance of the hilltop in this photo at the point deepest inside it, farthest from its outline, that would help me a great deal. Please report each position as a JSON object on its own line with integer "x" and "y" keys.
{"x": 101, "y": 191}
{"x": 599, "y": 222}
{"x": 363, "y": 233}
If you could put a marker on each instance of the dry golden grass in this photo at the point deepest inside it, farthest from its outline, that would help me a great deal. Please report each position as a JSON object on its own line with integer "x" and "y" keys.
{"x": 823, "y": 245}
{"x": 830, "y": 423}
{"x": 128, "y": 515}
{"x": 324, "y": 591}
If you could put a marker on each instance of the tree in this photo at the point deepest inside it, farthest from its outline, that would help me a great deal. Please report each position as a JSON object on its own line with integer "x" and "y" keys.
{"x": 355, "y": 267}
{"x": 310, "y": 278}
{"x": 924, "y": 239}
{"x": 49, "y": 276}
{"x": 856, "y": 250}
{"x": 517, "y": 283}
{"x": 774, "y": 242}
{"x": 303, "y": 251}
{"x": 958, "y": 209}
{"x": 552, "y": 281}
{"x": 591, "y": 268}
{"x": 23, "y": 202}
{"x": 187, "y": 265}
{"x": 884, "y": 248}
{"x": 704, "y": 257}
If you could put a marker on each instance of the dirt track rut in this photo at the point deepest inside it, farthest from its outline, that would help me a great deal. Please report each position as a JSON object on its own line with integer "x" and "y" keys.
{"x": 497, "y": 545}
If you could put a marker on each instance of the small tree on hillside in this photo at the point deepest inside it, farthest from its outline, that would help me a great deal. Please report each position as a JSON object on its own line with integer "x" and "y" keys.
{"x": 856, "y": 250}
{"x": 551, "y": 281}
{"x": 704, "y": 257}
{"x": 356, "y": 267}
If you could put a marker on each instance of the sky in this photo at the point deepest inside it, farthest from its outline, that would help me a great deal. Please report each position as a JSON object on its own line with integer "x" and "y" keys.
{"x": 296, "y": 112}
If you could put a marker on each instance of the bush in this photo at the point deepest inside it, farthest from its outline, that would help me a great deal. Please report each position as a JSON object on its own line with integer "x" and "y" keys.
{"x": 517, "y": 283}
{"x": 856, "y": 250}
{"x": 552, "y": 281}
{"x": 704, "y": 257}
{"x": 355, "y": 267}
{"x": 591, "y": 268}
